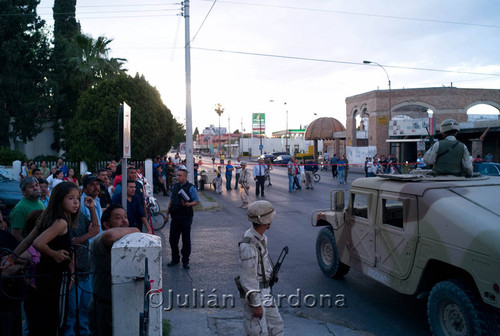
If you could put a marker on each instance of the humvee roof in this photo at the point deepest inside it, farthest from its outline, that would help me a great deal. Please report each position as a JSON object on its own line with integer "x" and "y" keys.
{"x": 419, "y": 185}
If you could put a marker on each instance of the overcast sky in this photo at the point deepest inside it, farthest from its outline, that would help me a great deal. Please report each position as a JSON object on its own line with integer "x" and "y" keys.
{"x": 451, "y": 35}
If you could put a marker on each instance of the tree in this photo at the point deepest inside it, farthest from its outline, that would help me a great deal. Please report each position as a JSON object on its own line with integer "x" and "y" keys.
{"x": 24, "y": 55}
{"x": 93, "y": 132}
{"x": 195, "y": 134}
{"x": 89, "y": 62}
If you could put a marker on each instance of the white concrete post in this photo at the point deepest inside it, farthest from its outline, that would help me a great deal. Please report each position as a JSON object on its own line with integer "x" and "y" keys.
{"x": 127, "y": 283}
{"x": 148, "y": 172}
{"x": 84, "y": 168}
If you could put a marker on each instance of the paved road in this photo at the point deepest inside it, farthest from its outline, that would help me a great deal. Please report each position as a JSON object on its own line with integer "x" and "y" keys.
{"x": 369, "y": 306}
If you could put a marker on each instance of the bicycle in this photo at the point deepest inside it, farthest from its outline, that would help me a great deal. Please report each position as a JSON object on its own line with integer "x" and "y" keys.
{"x": 267, "y": 177}
{"x": 156, "y": 218}
{"x": 316, "y": 177}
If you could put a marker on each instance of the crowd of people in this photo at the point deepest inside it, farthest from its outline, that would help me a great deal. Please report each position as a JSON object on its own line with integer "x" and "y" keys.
{"x": 52, "y": 259}
{"x": 381, "y": 164}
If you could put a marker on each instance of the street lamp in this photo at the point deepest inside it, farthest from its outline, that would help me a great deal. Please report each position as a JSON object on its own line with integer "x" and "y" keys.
{"x": 390, "y": 102}
{"x": 389, "y": 80}
{"x": 219, "y": 110}
{"x": 286, "y": 131}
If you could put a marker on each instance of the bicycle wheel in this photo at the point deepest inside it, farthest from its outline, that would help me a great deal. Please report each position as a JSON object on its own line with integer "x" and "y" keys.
{"x": 156, "y": 207}
{"x": 158, "y": 220}
{"x": 316, "y": 177}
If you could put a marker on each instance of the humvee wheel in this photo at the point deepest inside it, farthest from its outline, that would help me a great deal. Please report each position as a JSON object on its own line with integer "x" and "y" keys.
{"x": 327, "y": 255}
{"x": 453, "y": 309}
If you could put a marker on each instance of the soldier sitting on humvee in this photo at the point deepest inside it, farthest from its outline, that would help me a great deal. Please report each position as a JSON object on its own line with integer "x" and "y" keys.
{"x": 449, "y": 156}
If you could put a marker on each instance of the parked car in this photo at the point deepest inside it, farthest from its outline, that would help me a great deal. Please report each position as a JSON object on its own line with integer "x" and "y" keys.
{"x": 487, "y": 168}
{"x": 276, "y": 154}
{"x": 282, "y": 160}
{"x": 10, "y": 193}
{"x": 267, "y": 156}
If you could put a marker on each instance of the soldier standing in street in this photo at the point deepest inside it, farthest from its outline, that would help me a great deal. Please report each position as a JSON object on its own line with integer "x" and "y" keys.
{"x": 261, "y": 315}
{"x": 449, "y": 156}
{"x": 182, "y": 200}
{"x": 244, "y": 182}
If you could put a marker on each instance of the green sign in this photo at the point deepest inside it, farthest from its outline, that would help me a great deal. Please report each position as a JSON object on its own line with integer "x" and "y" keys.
{"x": 258, "y": 123}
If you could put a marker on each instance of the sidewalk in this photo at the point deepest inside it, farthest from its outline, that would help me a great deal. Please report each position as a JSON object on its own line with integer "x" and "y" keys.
{"x": 228, "y": 322}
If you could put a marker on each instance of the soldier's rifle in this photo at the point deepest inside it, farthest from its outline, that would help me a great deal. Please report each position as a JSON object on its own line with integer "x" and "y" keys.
{"x": 277, "y": 266}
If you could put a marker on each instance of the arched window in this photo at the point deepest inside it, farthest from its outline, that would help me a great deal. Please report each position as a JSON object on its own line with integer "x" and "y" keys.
{"x": 482, "y": 112}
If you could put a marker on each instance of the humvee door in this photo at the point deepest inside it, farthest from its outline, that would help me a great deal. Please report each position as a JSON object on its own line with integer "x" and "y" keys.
{"x": 361, "y": 217}
{"x": 396, "y": 233}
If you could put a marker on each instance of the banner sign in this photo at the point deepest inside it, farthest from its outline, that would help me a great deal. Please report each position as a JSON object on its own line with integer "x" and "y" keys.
{"x": 258, "y": 123}
{"x": 419, "y": 126}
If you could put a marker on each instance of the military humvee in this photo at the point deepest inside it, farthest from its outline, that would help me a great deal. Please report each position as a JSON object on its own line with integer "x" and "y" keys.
{"x": 436, "y": 238}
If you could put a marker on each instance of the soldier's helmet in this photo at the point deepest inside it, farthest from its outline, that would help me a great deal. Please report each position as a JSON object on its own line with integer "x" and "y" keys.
{"x": 449, "y": 125}
{"x": 261, "y": 212}
{"x": 243, "y": 163}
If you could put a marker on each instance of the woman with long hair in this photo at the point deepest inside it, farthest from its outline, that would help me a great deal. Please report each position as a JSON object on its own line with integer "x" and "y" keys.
{"x": 54, "y": 244}
{"x": 71, "y": 177}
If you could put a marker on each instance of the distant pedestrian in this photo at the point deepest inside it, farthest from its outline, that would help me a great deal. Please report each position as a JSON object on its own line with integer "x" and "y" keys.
{"x": 259, "y": 176}
{"x": 326, "y": 158}
{"x": 346, "y": 167}
{"x": 229, "y": 174}
{"x": 244, "y": 182}
{"x": 310, "y": 168}
{"x": 340, "y": 171}
{"x": 333, "y": 161}
{"x": 237, "y": 169}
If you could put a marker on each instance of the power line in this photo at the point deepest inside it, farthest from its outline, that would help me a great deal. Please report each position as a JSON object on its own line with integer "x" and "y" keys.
{"x": 365, "y": 14}
{"x": 127, "y": 5}
{"x": 206, "y": 16}
{"x": 342, "y": 62}
{"x": 83, "y": 13}
{"x": 79, "y": 17}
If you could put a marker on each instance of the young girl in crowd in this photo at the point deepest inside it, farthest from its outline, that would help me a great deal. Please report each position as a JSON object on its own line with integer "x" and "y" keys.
{"x": 71, "y": 176}
{"x": 54, "y": 245}
{"x": 57, "y": 178}
{"x": 24, "y": 170}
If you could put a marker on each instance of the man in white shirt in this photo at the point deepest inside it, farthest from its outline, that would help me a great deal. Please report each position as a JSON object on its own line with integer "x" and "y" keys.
{"x": 259, "y": 176}
{"x": 237, "y": 168}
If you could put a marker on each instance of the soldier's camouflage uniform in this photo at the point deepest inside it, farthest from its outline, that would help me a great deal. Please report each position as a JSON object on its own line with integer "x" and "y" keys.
{"x": 257, "y": 286}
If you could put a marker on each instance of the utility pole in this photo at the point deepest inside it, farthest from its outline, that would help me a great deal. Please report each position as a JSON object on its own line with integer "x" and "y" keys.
{"x": 189, "y": 126}
{"x": 229, "y": 134}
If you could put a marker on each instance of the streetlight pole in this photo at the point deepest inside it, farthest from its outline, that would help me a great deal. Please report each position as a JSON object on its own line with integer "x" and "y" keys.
{"x": 390, "y": 102}
{"x": 219, "y": 110}
{"x": 286, "y": 130}
{"x": 388, "y": 80}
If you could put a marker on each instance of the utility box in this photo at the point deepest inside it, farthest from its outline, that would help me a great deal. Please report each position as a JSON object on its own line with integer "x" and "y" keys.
{"x": 128, "y": 257}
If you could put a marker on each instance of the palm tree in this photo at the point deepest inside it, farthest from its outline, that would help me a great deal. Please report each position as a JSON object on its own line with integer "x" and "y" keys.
{"x": 90, "y": 61}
